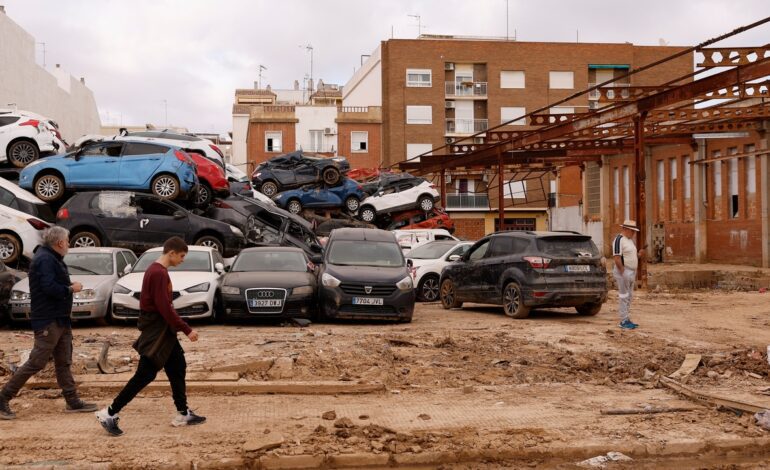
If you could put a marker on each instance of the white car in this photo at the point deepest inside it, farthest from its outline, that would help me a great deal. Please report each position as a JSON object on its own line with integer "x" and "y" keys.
{"x": 97, "y": 269}
{"x": 20, "y": 234}
{"x": 412, "y": 238}
{"x": 11, "y": 195}
{"x": 195, "y": 284}
{"x": 24, "y": 136}
{"x": 427, "y": 262}
{"x": 236, "y": 176}
{"x": 414, "y": 193}
{"x": 188, "y": 143}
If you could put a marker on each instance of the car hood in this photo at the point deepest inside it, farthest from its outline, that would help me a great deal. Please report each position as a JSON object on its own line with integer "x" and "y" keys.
{"x": 268, "y": 279}
{"x": 89, "y": 281}
{"x": 179, "y": 280}
{"x": 366, "y": 273}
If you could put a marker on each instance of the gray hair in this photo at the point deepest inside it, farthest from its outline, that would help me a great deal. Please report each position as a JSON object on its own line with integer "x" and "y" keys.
{"x": 54, "y": 234}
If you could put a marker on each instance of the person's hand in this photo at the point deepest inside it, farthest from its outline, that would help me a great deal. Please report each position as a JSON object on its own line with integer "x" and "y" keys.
{"x": 193, "y": 336}
{"x": 76, "y": 286}
{"x": 642, "y": 253}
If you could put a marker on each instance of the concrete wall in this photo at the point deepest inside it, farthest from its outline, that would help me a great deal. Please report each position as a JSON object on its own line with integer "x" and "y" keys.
{"x": 54, "y": 94}
{"x": 365, "y": 87}
{"x": 316, "y": 118}
{"x": 570, "y": 218}
{"x": 240, "y": 131}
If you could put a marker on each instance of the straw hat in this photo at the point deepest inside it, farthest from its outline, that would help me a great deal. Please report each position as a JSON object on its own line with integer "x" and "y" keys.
{"x": 630, "y": 224}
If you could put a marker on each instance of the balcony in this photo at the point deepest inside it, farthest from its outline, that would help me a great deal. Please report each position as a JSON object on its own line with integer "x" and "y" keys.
{"x": 465, "y": 89}
{"x": 467, "y": 201}
{"x": 466, "y": 126}
{"x": 621, "y": 93}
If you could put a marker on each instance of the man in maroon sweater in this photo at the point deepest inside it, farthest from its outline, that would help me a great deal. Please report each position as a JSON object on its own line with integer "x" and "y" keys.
{"x": 158, "y": 346}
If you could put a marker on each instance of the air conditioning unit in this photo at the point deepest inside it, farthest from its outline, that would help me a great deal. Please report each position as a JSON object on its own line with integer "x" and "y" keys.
{"x": 449, "y": 66}
{"x": 330, "y": 131}
{"x": 485, "y": 178}
{"x": 447, "y": 179}
{"x": 449, "y": 105}
{"x": 450, "y": 140}
{"x": 478, "y": 140}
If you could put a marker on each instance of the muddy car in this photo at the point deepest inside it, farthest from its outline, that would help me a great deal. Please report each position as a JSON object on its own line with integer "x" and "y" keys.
{"x": 297, "y": 169}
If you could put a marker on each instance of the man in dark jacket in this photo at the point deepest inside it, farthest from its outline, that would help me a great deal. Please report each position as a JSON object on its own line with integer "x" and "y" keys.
{"x": 158, "y": 346}
{"x": 51, "y": 297}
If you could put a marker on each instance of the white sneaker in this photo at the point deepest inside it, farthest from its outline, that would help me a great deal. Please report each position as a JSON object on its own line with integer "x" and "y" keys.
{"x": 109, "y": 423}
{"x": 187, "y": 420}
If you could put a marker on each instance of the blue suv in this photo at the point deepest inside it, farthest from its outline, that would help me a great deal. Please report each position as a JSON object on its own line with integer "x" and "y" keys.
{"x": 163, "y": 170}
{"x": 348, "y": 195}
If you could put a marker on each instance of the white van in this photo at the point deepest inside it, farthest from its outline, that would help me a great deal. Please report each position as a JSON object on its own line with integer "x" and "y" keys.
{"x": 409, "y": 239}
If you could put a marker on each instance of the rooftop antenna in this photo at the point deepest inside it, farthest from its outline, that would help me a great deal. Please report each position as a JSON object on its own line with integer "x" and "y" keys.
{"x": 419, "y": 24}
{"x": 309, "y": 48}
{"x": 261, "y": 68}
{"x": 506, "y": 20}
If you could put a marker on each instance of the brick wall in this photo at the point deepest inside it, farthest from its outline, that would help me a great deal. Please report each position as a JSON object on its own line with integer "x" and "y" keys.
{"x": 570, "y": 186}
{"x": 469, "y": 229}
{"x": 680, "y": 242}
{"x": 369, "y": 159}
{"x": 255, "y": 141}
{"x": 734, "y": 242}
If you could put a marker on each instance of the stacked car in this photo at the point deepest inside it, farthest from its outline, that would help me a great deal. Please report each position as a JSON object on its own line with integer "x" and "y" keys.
{"x": 25, "y": 136}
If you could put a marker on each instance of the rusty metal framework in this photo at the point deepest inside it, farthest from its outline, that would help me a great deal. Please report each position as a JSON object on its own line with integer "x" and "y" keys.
{"x": 729, "y": 91}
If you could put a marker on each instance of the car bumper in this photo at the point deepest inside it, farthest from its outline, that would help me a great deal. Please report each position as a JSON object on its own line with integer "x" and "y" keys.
{"x": 564, "y": 297}
{"x": 20, "y": 311}
{"x": 235, "y": 306}
{"x": 192, "y": 306}
{"x": 397, "y": 306}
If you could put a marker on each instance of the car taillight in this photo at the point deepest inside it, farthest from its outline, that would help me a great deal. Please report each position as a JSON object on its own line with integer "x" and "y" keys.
{"x": 538, "y": 261}
{"x": 221, "y": 205}
{"x": 31, "y": 122}
{"x": 183, "y": 157}
{"x": 433, "y": 186}
{"x": 359, "y": 187}
{"x": 63, "y": 214}
{"x": 247, "y": 187}
{"x": 38, "y": 224}
{"x": 216, "y": 149}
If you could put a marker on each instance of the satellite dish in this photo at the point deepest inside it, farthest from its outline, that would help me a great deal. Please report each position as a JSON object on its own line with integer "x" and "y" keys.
{"x": 662, "y": 42}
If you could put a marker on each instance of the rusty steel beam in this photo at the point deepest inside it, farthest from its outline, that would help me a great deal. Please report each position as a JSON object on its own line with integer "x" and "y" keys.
{"x": 641, "y": 192}
{"x": 500, "y": 191}
{"x": 730, "y": 56}
{"x": 709, "y": 127}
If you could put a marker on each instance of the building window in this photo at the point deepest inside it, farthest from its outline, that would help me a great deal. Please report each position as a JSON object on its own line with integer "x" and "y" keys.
{"x": 616, "y": 186}
{"x": 732, "y": 183}
{"x": 420, "y": 78}
{"x": 419, "y": 115}
{"x": 511, "y": 79}
{"x": 359, "y": 141}
{"x": 593, "y": 189}
{"x": 273, "y": 141}
{"x": 511, "y": 113}
{"x": 562, "y": 80}
{"x": 627, "y": 194}
{"x": 660, "y": 177}
{"x": 316, "y": 140}
{"x": 515, "y": 190}
{"x": 751, "y": 170}
{"x": 672, "y": 189}
{"x": 686, "y": 171}
{"x": 465, "y": 186}
{"x": 717, "y": 175}
{"x": 412, "y": 150}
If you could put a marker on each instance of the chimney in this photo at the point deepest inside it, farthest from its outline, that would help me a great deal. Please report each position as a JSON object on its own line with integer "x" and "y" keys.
{"x": 256, "y": 85}
{"x": 296, "y": 85}
{"x": 268, "y": 88}
{"x": 83, "y": 80}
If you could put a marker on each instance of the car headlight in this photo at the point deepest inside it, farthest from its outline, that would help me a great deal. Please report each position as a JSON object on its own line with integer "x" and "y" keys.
{"x": 202, "y": 287}
{"x": 231, "y": 290}
{"x": 258, "y": 175}
{"x": 304, "y": 290}
{"x": 118, "y": 289}
{"x": 329, "y": 281}
{"x": 405, "y": 283}
{"x": 85, "y": 294}
{"x": 19, "y": 295}
{"x": 236, "y": 230}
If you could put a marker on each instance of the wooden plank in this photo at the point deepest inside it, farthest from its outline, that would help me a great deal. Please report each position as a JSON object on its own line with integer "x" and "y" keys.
{"x": 710, "y": 398}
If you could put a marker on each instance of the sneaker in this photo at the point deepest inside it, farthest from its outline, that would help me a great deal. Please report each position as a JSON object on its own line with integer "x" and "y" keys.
{"x": 79, "y": 406}
{"x": 187, "y": 420}
{"x": 633, "y": 324}
{"x": 5, "y": 409}
{"x": 627, "y": 325}
{"x": 109, "y": 423}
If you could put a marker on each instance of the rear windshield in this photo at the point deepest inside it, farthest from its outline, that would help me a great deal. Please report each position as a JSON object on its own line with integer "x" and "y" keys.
{"x": 365, "y": 253}
{"x": 567, "y": 246}
{"x": 430, "y": 250}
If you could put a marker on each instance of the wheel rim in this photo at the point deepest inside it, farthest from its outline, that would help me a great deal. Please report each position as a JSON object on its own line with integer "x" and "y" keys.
{"x": 330, "y": 177}
{"x": 48, "y": 187}
{"x": 448, "y": 294}
{"x": 269, "y": 189}
{"x": 430, "y": 289}
{"x": 426, "y": 205}
{"x": 165, "y": 186}
{"x": 7, "y": 249}
{"x": 211, "y": 244}
{"x": 23, "y": 153}
{"x": 367, "y": 215}
{"x": 294, "y": 207}
{"x": 512, "y": 300}
{"x": 83, "y": 242}
{"x": 203, "y": 195}
{"x": 352, "y": 204}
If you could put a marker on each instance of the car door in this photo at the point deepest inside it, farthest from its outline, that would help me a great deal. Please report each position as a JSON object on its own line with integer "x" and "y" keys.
{"x": 6, "y": 131}
{"x": 139, "y": 162}
{"x": 284, "y": 173}
{"x": 306, "y": 172}
{"x": 159, "y": 220}
{"x": 498, "y": 259}
{"x": 116, "y": 215}
{"x": 95, "y": 166}
{"x": 469, "y": 278}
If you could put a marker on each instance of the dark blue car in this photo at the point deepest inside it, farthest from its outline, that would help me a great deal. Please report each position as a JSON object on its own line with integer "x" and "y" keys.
{"x": 348, "y": 195}
{"x": 163, "y": 170}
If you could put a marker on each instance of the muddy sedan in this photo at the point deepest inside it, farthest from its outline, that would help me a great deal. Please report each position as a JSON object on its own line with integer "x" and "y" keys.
{"x": 270, "y": 282}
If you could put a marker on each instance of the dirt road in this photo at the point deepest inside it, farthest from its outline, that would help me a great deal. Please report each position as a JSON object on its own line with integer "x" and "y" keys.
{"x": 465, "y": 388}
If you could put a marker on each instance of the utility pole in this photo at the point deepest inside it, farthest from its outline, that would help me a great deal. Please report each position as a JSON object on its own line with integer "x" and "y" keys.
{"x": 419, "y": 24}
{"x": 261, "y": 68}
{"x": 309, "y": 48}
{"x": 506, "y": 20}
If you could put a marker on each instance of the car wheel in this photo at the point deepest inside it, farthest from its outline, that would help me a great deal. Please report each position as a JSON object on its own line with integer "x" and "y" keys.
{"x": 269, "y": 188}
{"x": 107, "y": 318}
{"x": 205, "y": 194}
{"x": 428, "y": 289}
{"x": 589, "y": 309}
{"x": 165, "y": 187}
{"x": 425, "y": 203}
{"x": 211, "y": 242}
{"x": 49, "y": 188}
{"x": 294, "y": 206}
{"x": 23, "y": 153}
{"x": 352, "y": 204}
{"x": 10, "y": 248}
{"x": 513, "y": 301}
{"x": 331, "y": 176}
{"x": 85, "y": 240}
{"x": 368, "y": 214}
{"x": 448, "y": 295}
{"x": 216, "y": 310}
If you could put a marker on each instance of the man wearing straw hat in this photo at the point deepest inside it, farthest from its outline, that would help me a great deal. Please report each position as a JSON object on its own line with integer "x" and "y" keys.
{"x": 626, "y": 259}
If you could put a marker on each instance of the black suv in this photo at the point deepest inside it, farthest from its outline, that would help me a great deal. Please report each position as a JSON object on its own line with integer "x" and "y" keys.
{"x": 522, "y": 270}
{"x": 296, "y": 169}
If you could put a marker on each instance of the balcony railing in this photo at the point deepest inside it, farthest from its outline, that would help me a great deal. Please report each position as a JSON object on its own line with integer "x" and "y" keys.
{"x": 467, "y": 201}
{"x": 466, "y": 126}
{"x": 465, "y": 88}
{"x": 596, "y": 94}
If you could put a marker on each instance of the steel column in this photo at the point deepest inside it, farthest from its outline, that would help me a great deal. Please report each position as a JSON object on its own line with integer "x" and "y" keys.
{"x": 501, "y": 190}
{"x": 442, "y": 182}
{"x": 641, "y": 193}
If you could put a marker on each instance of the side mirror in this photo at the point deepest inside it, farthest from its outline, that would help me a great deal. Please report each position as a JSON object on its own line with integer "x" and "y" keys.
{"x": 179, "y": 215}
{"x": 127, "y": 269}
{"x": 317, "y": 259}
{"x": 316, "y": 248}
{"x": 455, "y": 258}
{"x": 219, "y": 267}
{"x": 409, "y": 262}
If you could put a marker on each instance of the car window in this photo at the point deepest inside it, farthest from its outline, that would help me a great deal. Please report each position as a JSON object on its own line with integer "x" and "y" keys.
{"x": 567, "y": 246}
{"x": 421, "y": 217}
{"x": 5, "y": 120}
{"x": 89, "y": 263}
{"x": 389, "y": 190}
{"x": 130, "y": 257}
{"x": 121, "y": 261}
{"x": 459, "y": 251}
{"x": 7, "y": 198}
{"x": 110, "y": 149}
{"x": 479, "y": 251}
{"x": 405, "y": 186}
{"x": 115, "y": 204}
{"x": 365, "y": 253}
{"x": 148, "y": 206}
{"x": 142, "y": 148}
{"x": 505, "y": 245}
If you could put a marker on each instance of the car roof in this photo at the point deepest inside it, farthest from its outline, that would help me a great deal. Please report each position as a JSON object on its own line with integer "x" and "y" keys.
{"x": 541, "y": 233}
{"x": 101, "y": 249}
{"x": 19, "y": 192}
{"x": 360, "y": 234}
{"x": 271, "y": 249}
{"x": 206, "y": 249}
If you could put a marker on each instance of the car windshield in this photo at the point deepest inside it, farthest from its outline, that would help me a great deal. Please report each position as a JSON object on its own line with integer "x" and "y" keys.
{"x": 567, "y": 246}
{"x": 365, "y": 253}
{"x": 431, "y": 250}
{"x": 284, "y": 261}
{"x": 89, "y": 263}
{"x": 194, "y": 261}
{"x": 41, "y": 211}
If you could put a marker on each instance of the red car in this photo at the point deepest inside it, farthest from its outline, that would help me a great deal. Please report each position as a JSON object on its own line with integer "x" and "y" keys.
{"x": 213, "y": 181}
{"x": 435, "y": 218}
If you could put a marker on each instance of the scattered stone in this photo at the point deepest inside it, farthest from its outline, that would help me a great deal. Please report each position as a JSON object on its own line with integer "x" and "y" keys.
{"x": 648, "y": 374}
{"x": 344, "y": 423}
{"x": 263, "y": 443}
{"x": 416, "y": 449}
{"x": 424, "y": 417}
{"x": 712, "y": 374}
{"x": 320, "y": 429}
{"x": 283, "y": 368}
{"x": 363, "y": 417}
{"x": 329, "y": 415}
{"x": 377, "y": 445}
{"x": 343, "y": 433}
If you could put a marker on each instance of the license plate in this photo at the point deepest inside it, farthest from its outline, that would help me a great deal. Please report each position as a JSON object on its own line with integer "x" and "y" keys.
{"x": 580, "y": 268}
{"x": 254, "y": 303}
{"x": 367, "y": 301}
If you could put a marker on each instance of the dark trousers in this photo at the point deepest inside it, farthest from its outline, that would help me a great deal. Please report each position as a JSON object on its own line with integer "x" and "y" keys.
{"x": 175, "y": 368}
{"x": 54, "y": 340}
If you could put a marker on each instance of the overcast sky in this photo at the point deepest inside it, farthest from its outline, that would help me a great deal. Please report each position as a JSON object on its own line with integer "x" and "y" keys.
{"x": 195, "y": 53}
